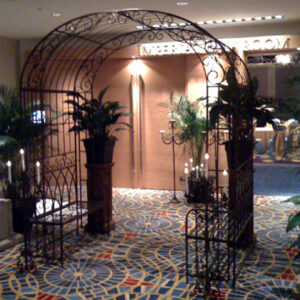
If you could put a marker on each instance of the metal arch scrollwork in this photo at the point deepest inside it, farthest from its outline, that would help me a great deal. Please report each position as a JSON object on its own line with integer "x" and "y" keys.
{"x": 99, "y": 35}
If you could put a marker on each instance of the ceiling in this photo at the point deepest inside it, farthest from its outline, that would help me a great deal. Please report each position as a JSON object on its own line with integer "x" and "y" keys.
{"x": 21, "y": 19}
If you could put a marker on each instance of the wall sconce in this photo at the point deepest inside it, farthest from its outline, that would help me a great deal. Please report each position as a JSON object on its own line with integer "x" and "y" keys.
{"x": 137, "y": 69}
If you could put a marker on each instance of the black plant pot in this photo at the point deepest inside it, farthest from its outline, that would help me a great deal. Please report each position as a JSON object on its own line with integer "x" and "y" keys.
{"x": 21, "y": 216}
{"x": 199, "y": 192}
{"x": 243, "y": 153}
{"x": 99, "y": 151}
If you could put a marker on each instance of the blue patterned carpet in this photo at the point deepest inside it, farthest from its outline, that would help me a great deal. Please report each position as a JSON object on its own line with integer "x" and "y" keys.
{"x": 144, "y": 257}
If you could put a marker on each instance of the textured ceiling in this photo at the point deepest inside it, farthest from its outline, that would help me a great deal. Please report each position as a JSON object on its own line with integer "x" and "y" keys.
{"x": 33, "y": 18}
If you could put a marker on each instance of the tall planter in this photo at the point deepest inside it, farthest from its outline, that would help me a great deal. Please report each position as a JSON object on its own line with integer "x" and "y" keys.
{"x": 99, "y": 188}
{"x": 99, "y": 185}
{"x": 238, "y": 154}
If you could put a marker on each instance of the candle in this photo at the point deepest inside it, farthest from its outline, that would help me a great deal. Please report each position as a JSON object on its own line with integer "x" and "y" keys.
{"x": 191, "y": 163}
{"x": 201, "y": 168}
{"x": 9, "y": 171}
{"x": 206, "y": 157}
{"x": 197, "y": 172}
{"x": 38, "y": 178}
{"x": 162, "y": 132}
{"x": 225, "y": 173}
{"x": 186, "y": 165}
{"x": 22, "y": 159}
{"x": 186, "y": 171}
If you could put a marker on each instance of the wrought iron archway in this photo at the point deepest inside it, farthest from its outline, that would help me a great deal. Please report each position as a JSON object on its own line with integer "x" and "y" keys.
{"x": 69, "y": 58}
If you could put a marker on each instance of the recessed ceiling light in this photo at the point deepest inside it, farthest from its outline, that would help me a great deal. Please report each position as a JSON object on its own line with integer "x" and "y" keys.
{"x": 268, "y": 17}
{"x": 279, "y": 17}
{"x": 258, "y": 18}
{"x": 56, "y": 14}
{"x": 182, "y": 3}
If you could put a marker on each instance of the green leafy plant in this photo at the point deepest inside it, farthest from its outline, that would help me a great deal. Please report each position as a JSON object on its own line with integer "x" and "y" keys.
{"x": 293, "y": 222}
{"x": 98, "y": 118}
{"x": 17, "y": 128}
{"x": 190, "y": 122}
{"x": 237, "y": 109}
{"x": 239, "y": 105}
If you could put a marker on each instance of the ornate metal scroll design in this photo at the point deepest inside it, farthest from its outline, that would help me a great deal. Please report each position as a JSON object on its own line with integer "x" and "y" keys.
{"x": 36, "y": 65}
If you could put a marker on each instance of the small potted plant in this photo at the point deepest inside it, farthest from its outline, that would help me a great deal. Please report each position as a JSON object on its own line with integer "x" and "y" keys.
{"x": 237, "y": 108}
{"x": 98, "y": 119}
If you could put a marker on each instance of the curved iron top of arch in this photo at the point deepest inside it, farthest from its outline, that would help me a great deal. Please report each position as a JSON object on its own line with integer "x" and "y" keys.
{"x": 92, "y": 38}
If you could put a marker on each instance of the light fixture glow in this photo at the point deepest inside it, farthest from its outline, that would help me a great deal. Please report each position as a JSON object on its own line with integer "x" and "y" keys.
{"x": 182, "y": 3}
{"x": 139, "y": 27}
{"x": 298, "y": 48}
{"x": 137, "y": 68}
{"x": 56, "y": 14}
{"x": 283, "y": 59}
{"x": 238, "y": 20}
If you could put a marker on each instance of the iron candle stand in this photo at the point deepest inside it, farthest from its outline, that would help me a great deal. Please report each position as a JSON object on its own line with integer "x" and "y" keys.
{"x": 173, "y": 139}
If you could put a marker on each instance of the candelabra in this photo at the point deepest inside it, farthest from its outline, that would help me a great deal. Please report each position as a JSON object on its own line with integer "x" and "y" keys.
{"x": 172, "y": 139}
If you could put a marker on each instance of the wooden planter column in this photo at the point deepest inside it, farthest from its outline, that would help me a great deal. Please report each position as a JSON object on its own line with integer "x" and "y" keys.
{"x": 99, "y": 190}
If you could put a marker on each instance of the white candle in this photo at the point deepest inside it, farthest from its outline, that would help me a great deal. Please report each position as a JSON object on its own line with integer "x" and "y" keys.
{"x": 186, "y": 165}
{"x": 186, "y": 171}
{"x": 162, "y": 132}
{"x": 22, "y": 159}
{"x": 191, "y": 163}
{"x": 225, "y": 173}
{"x": 9, "y": 171}
{"x": 197, "y": 172}
{"x": 38, "y": 177}
{"x": 201, "y": 168}
{"x": 206, "y": 157}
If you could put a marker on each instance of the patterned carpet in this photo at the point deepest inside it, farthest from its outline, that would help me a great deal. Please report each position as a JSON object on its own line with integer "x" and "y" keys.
{"x": 144, "y": 257}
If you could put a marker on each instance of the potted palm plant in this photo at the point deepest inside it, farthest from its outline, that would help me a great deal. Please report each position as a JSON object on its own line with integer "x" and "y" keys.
{"x": 237, "y": 108}
{"x": 191, "y": 124}
{"x": 98, "y": 119}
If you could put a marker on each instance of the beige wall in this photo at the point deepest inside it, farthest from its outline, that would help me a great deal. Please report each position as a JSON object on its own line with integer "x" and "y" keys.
{"x": 9, "y": 62}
